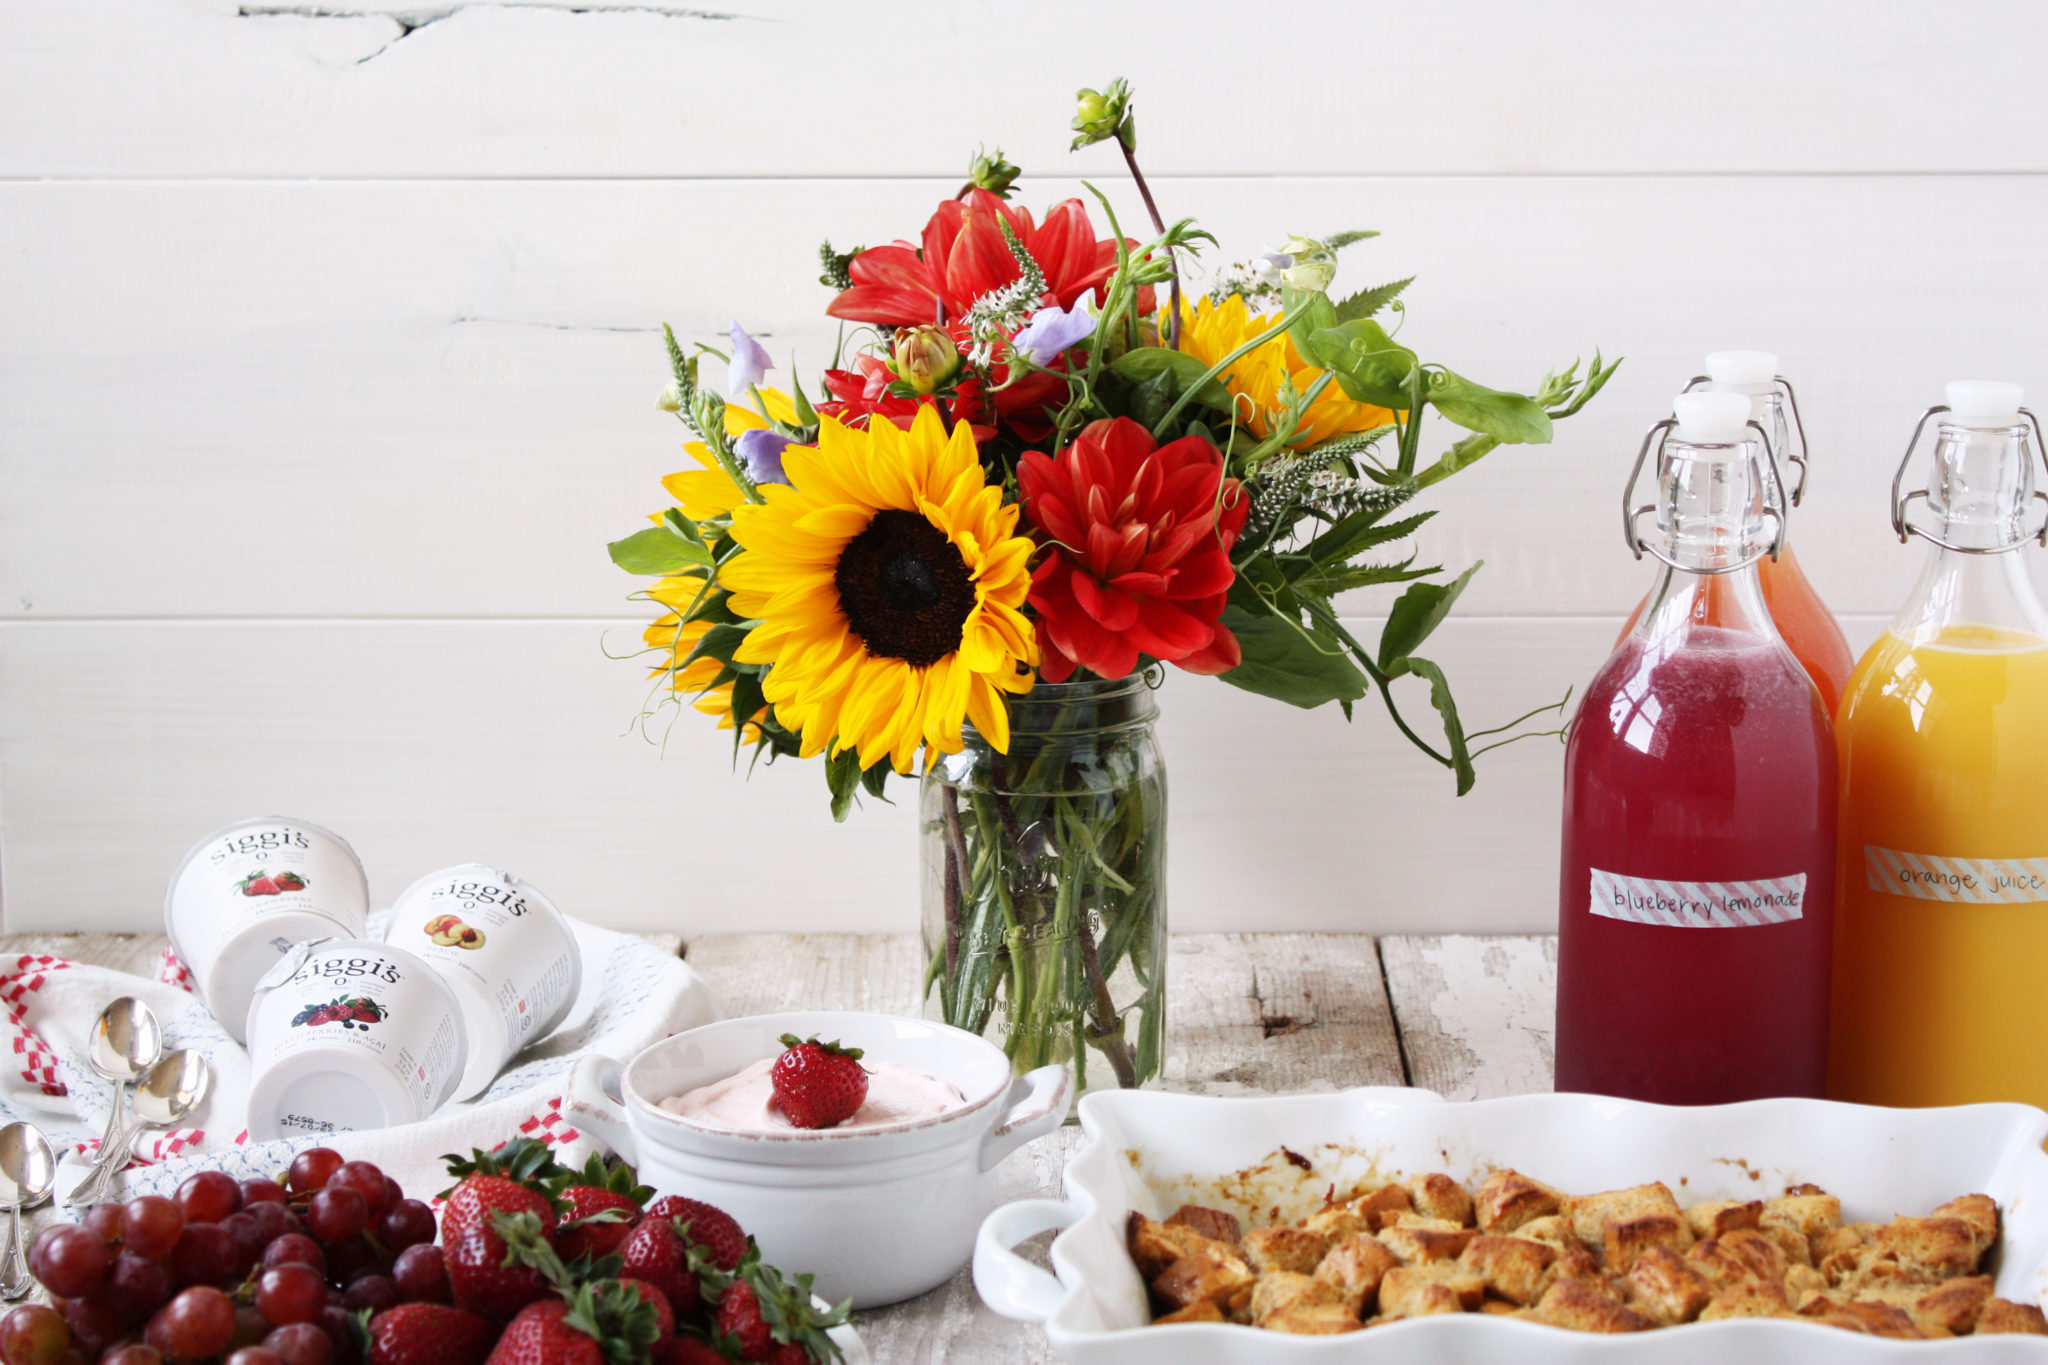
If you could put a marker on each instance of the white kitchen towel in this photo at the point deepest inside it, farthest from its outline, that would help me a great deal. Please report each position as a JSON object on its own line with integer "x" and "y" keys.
{"x": 633, "y": 994}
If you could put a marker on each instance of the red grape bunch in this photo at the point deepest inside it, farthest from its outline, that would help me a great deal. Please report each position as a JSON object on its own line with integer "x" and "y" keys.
{"x": 260, "y": 1272}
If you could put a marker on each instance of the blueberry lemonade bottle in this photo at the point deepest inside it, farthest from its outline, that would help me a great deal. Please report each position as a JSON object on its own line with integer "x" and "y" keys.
{"x": 1696, "y": 893}
{"x": 1941, "y": 957}
{"x": 1803, "y": 620}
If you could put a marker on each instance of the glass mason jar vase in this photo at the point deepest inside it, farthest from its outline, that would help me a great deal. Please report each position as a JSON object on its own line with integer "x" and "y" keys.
{"x": 1044, "y": 894}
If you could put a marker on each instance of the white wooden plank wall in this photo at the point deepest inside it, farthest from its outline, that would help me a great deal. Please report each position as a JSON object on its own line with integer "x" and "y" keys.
{"x": 330, "y": 338}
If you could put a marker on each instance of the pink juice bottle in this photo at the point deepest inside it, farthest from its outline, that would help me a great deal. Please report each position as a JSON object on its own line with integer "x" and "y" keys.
{"x": 1696, "y": 896}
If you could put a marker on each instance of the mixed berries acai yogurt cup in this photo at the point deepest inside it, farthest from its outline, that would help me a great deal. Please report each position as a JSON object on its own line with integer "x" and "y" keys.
{"x": 350, "y": 1034}
{"x": 245, "y": 895}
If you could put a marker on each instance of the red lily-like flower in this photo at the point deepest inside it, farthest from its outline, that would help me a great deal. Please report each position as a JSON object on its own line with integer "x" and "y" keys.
{"x": 964, "y": 256}
{"x": 1140, "y": 560}
{"x": 863, "y": 392}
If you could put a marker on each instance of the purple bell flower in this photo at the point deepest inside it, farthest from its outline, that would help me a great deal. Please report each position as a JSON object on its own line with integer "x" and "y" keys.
{"x": 1051, "y": 331}
{"x": 750, "y": 360}
{"x": 760, "y": 452}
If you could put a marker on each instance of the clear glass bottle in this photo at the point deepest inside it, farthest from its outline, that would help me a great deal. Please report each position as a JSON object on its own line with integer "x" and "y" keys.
{"x": 1942, "y": 922}
{"x": 1809, "y": 629}
{"x": 1044, "y": 924}
{"x": 1696, "y": 892}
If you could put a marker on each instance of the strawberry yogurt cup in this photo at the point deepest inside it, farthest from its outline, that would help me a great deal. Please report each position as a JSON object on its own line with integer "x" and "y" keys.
{"x": 350, "y": 1034}
{"x": 879, "y": 1212}
{"x": 506, "y": 951}
{"x": 244, "y": 895}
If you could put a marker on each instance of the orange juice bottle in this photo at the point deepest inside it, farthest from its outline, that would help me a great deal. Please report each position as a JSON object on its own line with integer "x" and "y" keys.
{"x": 1803, "y": 620}
{"x": 1941, "y": 923}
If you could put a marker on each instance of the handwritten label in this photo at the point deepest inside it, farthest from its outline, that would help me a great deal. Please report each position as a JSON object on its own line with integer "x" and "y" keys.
{"x": 1698, "y": 905}
{"x": 1960, "y": 881}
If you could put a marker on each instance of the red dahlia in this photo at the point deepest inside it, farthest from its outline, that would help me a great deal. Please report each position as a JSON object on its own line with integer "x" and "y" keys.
{"x": 1140, "y": 560}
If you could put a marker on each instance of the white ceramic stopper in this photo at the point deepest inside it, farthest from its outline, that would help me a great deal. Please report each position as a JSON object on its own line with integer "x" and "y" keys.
{"x": 1743, "y": 371}
{"x": 1711, "y": 419}
{"x": 1984, "y": 402}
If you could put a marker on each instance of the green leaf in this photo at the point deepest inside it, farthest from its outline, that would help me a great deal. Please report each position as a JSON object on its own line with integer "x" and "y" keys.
{"x": 718, "y": 643}
{"x": 1319, "y": 314}
{"x": 1419, "y": 611}
{"x": 1510, "y": 417}
{"x": 875, "y": 780}
{"x": 1341, "y": 578}
{"x": 1337, "y": 241}
{"x": 842, "y": 777}
{"x": 746, "y": 700}
{"x": 1182, "y": 370}
{"x": 658, "y": 550}
{"x": 1446, "y": 707}
{"x": 1357, "y": 533}
{"x": 1366, "y": 302}
{"x": 682, "y": 525}
{"x": 1284, "y": 661}
{"x": 806, "y": 415}
{"x": 1370, "y": 366}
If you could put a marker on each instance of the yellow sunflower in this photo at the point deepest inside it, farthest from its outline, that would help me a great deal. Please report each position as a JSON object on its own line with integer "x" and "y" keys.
{"x": 889, "y": 583}
{"x": 677, "y": 637}
{"x": 1209, "y": 331}
{"x": 708, "y": 491}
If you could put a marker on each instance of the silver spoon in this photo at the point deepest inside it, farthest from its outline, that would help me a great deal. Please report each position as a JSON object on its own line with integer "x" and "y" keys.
{"x": 174, "y": 1087}
{"x": 125, "y": 1043}
{"x": 28, "y": 1169}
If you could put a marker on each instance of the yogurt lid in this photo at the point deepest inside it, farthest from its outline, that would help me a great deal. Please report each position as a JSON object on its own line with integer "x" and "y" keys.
{"x": 336, "y": 1076}
{"x": 246, "y": 961}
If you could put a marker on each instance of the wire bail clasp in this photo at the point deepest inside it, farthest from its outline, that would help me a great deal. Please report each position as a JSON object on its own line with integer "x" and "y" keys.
{"x": 1631, "y": 513}
{"x": 1797, "y": 458}
{"x": 1901, "y": 500}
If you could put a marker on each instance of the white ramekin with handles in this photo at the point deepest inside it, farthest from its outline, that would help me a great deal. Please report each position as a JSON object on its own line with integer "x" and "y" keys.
{"x": 878, "y": 1214}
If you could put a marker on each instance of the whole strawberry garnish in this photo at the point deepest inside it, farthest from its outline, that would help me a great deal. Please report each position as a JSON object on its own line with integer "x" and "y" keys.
{"x": 603, "y": 1205}
{"x": 664, "y": 1316}
{"x": 596, "y": 1324}
{"x": 818, "y": 1084}
{"x": 768, "y": 1315}
{"x": 652, "y": 1252}
{"x": 496, "y": 1189}
{"x": 709, "y": 1227}
{"x": 429, "y": 1334}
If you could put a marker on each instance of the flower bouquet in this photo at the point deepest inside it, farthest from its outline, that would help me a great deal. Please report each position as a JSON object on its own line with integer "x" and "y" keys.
{"x": 1026, "y": 483}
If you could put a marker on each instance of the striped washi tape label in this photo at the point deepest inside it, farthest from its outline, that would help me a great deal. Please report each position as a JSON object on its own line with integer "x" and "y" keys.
{"x": 1961, "y": 881}
{"x": 1698, "y": 905}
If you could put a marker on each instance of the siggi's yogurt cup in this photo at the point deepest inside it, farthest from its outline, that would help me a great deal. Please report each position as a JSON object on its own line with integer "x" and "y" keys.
{"x": 244, "y": 895}
{"x": 508, "y": 953}
{"x": 351, "y": 1034}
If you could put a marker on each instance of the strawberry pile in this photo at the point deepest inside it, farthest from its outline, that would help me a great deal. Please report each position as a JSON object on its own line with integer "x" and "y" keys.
{"x": 330, "y": 1264}
{"x": 581, "y": 1269}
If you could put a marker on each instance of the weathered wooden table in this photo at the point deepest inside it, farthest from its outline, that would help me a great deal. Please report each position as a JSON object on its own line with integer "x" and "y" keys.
{"x": 1249, "y": 1014}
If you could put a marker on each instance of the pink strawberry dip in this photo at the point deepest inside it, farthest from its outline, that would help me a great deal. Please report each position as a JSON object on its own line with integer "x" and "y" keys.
{"x": 744, "y": 1102}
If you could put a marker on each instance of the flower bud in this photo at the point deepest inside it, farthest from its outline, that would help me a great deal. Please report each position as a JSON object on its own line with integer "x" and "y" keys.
{"x": 1101, "y": 114}
{"x": 990, "y": 172}
{"x": 1312, "y": 267}
{"x": 671, "y": 399}
{"x": 926, "y": 358}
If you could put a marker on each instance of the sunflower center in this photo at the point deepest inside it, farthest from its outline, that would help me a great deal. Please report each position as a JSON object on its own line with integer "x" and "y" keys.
{"x": 904, "y": 588}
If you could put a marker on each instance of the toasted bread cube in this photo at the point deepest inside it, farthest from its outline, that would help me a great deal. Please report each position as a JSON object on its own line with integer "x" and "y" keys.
{"x": 1356, "y": 1265}
{"x": 1418, "y": 1245}
{"x": 1747, "y": 1298}
{"x": 1289, "y": 1249}
{"x": 1214, "y": 1224}
{"x": 1583, "y": 1308}
{"x": 1376, "y": 1206}
{"x": 1590, "y": 1214}
{"x": 1512, "y": 1268}
{"x": 1508, "y": 1199}
{"x": 1664, "y": 1288}
{"x": 1303, "y": 1305}
{"x": 1802, "y": 1282}
{"x": 1409, "y": 1293}
{"x": 1438, "y": 1196}
{"x": 1337, "y": 1222}
{"x": 1422, "y": 1222}
{"x": 1550, "y": 1228}
{"x": 1627, "y": 1238}
{"x": 1948, "y": 1309}
{"x": 1798, "y": 1250}
{"x": 1800, "y": 1222}
{"x": 1574, "y": 1262}
{"x": 1202, "y": 1310}
{"x": 2003, "y": 1317}
{"x": 1155, "y": 1246}
{"x": 1501, "y": 1308}
{"x": 1980, "y": 1211}
{"x": 1740, "y": 1255}
{"x": 1214, "y": 1273}
{"x": 1837, "y": 1254}
{"x": 1716, "y": 1216}
{"x": 1861, "y": 1315}
{"x": 1927, "y": 1249}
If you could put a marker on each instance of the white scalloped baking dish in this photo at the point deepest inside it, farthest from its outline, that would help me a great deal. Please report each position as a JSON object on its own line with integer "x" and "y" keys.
{"x": 1149, "y": 1151}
